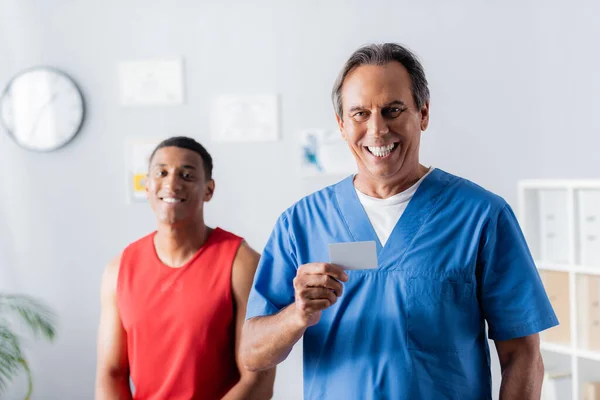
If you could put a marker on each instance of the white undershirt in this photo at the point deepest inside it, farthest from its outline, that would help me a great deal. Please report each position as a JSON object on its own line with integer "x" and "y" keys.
{"x": 384, "y": 214}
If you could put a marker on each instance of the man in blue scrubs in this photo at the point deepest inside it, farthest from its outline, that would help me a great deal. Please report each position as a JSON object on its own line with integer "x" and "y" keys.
{"x": 451, "y": 256}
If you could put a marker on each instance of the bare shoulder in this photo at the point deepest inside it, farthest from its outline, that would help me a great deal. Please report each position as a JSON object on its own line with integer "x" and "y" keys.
{"x": 110, "y": 275}
{"x": 244, "y": 268}
{"x": 246, "y": 258}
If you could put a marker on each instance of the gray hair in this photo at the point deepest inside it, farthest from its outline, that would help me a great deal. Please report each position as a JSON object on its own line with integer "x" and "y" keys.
{"x": 380, "y": 54}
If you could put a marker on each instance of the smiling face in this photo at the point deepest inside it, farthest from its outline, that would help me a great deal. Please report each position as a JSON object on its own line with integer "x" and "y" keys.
{"x": 381, "y": 122}
{"x": 177, "y": 186}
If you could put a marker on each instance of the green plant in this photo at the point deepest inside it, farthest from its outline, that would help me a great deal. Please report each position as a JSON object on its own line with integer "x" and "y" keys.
{"x": 37, "y": 317}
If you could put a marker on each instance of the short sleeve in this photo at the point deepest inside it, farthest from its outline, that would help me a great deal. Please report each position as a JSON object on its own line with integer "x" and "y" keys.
{"x": 513, "y": 299}
{"x": 273, "y": 286}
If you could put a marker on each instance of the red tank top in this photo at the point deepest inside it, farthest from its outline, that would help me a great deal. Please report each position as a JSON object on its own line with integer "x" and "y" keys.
{"x": 179, "y": 321}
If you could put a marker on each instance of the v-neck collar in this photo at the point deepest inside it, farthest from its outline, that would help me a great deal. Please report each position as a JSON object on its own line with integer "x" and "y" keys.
{"x": 417, "y": 211}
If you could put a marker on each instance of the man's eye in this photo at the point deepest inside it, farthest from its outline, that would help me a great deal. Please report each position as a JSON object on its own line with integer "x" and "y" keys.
{"x": 391, "y": 112}
{"x": 161, "y": 173}
{"x": 360, "y": 115}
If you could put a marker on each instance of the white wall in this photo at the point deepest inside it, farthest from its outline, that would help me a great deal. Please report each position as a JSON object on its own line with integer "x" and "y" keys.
{"x": 514, "y": 93}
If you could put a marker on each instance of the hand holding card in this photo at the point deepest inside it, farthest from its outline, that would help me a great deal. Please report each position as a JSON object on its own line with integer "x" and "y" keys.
{"x": 354, "y": 255}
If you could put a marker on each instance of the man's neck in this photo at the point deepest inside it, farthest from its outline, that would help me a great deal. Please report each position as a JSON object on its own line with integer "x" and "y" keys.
{"x": 384, "y": 188}
{"x": 177, "y": 244}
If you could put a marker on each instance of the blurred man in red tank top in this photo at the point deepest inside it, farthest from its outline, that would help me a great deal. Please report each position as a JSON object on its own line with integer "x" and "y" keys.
{"x": 174, "y": 301}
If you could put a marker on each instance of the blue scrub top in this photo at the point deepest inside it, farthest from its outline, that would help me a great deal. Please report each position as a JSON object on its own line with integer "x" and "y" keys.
{"x": 414, "y": 327}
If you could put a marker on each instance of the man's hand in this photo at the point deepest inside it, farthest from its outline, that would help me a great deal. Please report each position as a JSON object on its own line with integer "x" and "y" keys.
{"x": 317, "y": 287}
{"x": 268, "y": 340}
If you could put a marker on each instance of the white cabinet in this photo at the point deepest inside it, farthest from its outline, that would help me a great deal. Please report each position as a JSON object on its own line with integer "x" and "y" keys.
{"x": 556, "y": 386}
{"x": 556, "y": 284}
{"x": 554, "y": 226}
{"x": 561, "y": 222}
{"x": 589, "y": 226}
{"x": 588, "y": 300}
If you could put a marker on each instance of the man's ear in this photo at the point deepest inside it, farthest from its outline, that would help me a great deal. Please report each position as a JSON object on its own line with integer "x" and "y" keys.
{"x": 146, "y": 180}
{"x": 424, "y": 116}
{"x": 209, "y": 190}
{"x": 340, "y": 123}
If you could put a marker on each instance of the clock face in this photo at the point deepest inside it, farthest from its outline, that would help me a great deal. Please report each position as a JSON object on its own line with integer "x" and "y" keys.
{"x": 42, "y": 109}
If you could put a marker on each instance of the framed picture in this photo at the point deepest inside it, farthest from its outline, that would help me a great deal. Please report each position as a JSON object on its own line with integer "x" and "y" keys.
{"x": 138, "y": 158}
{"x": 324, "y": 152}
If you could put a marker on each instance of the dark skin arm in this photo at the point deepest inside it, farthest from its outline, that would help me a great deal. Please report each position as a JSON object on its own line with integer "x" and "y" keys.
{"x": 252, "y": 385}
{"x": 112, "y": 369}
{"x": 522, "y": 368}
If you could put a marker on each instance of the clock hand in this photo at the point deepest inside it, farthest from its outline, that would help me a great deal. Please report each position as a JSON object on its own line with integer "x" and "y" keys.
{"x": 40, "y": 113}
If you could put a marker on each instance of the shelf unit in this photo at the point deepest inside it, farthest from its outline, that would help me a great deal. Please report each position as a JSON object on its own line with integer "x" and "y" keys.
{"x": 561, "y": 221}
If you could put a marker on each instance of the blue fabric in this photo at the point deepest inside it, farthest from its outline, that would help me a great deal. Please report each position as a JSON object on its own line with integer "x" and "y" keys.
{"x": 414, "y": 327}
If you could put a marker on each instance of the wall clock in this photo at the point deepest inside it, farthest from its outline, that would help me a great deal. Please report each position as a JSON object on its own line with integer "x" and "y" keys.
{"x": 42, "y": 109}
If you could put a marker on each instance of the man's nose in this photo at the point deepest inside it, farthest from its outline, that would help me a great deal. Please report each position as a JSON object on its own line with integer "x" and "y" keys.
{"x": 377, "y": 126}
{"x": 173, "y": 182}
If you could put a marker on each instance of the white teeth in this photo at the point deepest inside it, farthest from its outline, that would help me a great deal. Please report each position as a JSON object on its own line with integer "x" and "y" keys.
{"x": 381, "y": 151}
{"x": 171, "y": 200}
